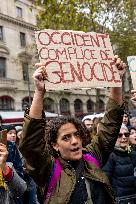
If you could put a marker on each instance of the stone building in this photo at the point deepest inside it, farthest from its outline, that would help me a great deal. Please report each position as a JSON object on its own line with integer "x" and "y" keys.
{"x": 17, "y": 59}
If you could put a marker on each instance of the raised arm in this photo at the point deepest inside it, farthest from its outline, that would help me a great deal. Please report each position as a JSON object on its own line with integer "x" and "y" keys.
{"x": 33, "y": 142}
{"x": 108, "y": 129}
{"x": 116, "y": 92}
{"x": 37, "y": 104}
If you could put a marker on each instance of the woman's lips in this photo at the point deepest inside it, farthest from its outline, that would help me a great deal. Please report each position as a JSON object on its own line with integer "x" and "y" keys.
{"x": 75, "y": 149}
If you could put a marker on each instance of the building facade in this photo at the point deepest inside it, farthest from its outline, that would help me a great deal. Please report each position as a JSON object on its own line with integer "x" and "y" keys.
{"x": 17, "y": 59}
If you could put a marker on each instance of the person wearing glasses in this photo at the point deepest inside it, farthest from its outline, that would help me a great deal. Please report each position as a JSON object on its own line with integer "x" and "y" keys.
{"x": 68, "y": 171}
{"x": 120, "y": 169}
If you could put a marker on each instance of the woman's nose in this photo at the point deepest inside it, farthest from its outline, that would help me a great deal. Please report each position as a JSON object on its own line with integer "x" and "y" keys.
{"x": 74, "y": 139}
{"x": 13, "y": 135}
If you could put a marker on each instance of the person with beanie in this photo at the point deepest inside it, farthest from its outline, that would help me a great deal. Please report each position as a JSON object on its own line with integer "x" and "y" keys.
{"x": 11, "y": 133}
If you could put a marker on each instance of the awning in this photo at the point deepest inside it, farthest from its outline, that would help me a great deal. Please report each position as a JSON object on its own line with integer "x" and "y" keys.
{"x": 17, "y": 117}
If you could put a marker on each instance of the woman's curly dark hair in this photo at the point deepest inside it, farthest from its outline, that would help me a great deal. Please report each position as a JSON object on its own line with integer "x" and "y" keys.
{"x": 52, "y": 127}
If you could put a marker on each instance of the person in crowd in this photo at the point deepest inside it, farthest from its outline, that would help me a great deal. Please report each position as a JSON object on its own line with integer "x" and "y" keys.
{"x": 123, "y": 138}
{"x": 68, "y": 171}
{"x": 133, "y": 98}
{"x": 120, "y": 169}
{"x": 88, "y": 123}
{"x": 30, "y": 196}
{"x": 132, "y": 137}
{"x": 14, "y": 154}
{"x": 11, "y": 133}
{"x": 16, "y": 158}
{"x": 19, "y": 130}
{"x": 12, "y": 186}
{"x": 1, "y": 125}
{"x": 126, "y": 120}
{"x": 96, "y": 122}
{"x": 19, "y": 134}
{"x": 133, "y": 122}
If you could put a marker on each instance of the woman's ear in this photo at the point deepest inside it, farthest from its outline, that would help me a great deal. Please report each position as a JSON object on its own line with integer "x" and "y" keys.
{"x": 55, "y": 146}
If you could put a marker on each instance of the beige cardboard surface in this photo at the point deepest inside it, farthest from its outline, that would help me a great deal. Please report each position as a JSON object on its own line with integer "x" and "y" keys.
{"x": 132, "y": 68}
{"x": 74, "y": 59}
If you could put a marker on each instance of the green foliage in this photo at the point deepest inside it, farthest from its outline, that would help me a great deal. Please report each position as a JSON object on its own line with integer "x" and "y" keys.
{"x": 116, "y": 17}
{"x": 62, "y": 15}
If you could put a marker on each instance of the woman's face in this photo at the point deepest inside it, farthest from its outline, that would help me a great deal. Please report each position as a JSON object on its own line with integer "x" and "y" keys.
{"x": 11, "y": 135}
{"x": 19, "y": 134}
{"x": 123, "y": 138}
{"x": 132, "y": 137}
{"x": 134, "y": 123}
{"x": 69, "y": 142}
{"x": 125, "y": 119}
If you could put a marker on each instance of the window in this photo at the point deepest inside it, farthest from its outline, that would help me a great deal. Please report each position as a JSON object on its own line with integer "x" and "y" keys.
{"x": 49, "y": 105}
{"x": 26, "y": 102}
{"x": 64, "y": 106}
{"x": 22, "y": 39}
{"x": 25, "y": 71}
{"x": 101, "y": 105}
{"x": 2, "y": 66}
{"x": 19, "y": 12}
{"x": 6, "y": 103}
{"x": 78, "y": 106}
{"x": 1, "y": 33}
{"x": 90, "y": 106}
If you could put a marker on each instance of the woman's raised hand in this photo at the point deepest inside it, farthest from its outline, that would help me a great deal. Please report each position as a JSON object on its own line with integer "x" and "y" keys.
{"x": 39, "y": 76}
{"x": 121, "y": 66}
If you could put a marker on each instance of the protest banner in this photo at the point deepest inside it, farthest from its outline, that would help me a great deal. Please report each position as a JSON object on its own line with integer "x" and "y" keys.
{"x": 132, "y": 68}
{"x": 74, "y": 59}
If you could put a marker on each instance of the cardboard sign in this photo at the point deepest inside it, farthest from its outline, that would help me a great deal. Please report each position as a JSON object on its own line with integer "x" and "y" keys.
{"x": 75, "y": 59}
{"x": 132, "y": 68}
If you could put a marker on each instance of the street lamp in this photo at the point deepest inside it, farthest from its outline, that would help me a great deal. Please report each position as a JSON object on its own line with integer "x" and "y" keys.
{"x": 28, "y": 83}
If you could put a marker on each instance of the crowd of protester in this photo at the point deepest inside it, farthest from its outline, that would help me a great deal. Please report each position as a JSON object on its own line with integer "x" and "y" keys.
{"x": 66, "y": 160}
{"x": 16, "y": 187}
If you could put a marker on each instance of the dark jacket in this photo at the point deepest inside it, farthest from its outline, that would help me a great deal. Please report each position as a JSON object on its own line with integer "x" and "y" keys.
{"x": 41, "y": 163}
{"x": 120, "y": 170}
{"x": 15, "y": 158}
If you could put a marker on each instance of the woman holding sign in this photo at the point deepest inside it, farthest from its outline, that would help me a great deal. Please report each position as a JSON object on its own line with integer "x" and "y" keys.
{"x": 58, "y": 161}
